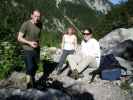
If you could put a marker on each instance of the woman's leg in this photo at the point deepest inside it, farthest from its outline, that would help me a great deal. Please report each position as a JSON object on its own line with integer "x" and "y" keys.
{"x": 63, "y": 58}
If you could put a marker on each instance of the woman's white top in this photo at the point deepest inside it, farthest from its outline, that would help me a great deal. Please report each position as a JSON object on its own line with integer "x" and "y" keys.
{"x": 69, "y": 42}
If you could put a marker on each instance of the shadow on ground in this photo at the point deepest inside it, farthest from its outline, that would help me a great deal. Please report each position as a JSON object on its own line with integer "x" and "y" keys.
{"x": 44, "y": 84}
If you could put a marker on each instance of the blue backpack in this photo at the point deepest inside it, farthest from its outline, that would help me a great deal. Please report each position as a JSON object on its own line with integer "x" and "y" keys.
{"x": 110, "y": 68}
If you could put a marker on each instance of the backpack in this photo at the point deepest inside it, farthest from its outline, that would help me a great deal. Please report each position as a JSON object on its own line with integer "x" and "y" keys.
{"x": 110, "y": 68}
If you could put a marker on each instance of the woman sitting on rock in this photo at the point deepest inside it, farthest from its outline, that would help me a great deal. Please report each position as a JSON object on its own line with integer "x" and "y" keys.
{"x": 68, "y": 45}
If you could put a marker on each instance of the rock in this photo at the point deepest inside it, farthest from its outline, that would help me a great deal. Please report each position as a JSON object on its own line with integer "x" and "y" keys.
{"x": 115, "y": 37}
{"x": 32, "y": 94}
{"x": 123, "y": 49}
{"x": 56, "y": 56}
{"x": 66, "y": 88}
{"x": 16, "y": 80}
{"x": 127, "y": 64}
{"x": 120, "y": 43}
{"x": 51, "y": 53}
{"x": 99, "y": 90}
{"x": 62, "y": 88}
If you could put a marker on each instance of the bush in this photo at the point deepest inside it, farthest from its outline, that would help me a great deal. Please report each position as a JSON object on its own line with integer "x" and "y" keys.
{"x": 50, "y": 39}
{"x": 9, "y": 58}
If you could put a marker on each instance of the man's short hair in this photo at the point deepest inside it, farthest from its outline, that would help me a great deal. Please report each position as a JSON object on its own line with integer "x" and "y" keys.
{"x": 35, "y": 10}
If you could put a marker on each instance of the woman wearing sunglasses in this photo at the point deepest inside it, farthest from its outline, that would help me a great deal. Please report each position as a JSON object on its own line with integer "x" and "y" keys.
{"x": 89, "y": 55}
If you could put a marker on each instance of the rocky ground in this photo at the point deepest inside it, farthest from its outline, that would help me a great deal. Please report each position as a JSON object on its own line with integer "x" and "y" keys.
{"x": 61, "y": 87}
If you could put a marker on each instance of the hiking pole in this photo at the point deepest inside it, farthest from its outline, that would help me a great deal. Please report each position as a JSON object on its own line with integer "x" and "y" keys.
{"x": 70, "y": 21}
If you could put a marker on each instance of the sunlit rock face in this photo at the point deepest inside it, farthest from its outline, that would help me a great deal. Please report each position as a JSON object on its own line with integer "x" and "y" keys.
{"x": 100, "y": 5}
{"x": 115, "y": 37}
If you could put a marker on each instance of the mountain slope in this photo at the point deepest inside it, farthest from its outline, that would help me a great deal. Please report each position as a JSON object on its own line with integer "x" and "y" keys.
{"x": 98, "y": 5}
{"x": 80, "y": 12}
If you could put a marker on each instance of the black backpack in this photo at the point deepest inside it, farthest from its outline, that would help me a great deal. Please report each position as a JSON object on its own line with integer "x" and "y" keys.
{"x": 109, "y": 62}
{"x": 110, "y": 68}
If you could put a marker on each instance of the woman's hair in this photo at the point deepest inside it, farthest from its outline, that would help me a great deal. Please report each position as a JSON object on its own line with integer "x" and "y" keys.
{"x": 90, "y": 30}
{"x": 73, "y": 30}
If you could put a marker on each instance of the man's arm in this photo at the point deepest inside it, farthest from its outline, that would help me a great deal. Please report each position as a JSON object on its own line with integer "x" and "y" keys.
{"x": 21, "y": 39}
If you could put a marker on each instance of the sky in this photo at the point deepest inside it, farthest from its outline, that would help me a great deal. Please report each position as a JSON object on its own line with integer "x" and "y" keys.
{"x": 116, "y": 1}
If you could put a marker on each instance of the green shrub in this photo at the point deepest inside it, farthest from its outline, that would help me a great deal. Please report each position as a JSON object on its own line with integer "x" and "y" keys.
{"x": 51, "y": 39}
{"x": 10, "y": 59}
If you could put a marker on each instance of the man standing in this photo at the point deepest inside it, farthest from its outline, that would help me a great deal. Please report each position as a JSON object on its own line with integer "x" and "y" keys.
{"x": 89, "y": 55}
{"x": 29, "y": 35}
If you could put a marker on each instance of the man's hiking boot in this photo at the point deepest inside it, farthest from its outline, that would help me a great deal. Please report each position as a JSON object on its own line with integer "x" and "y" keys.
{"x": 27, "y": 78}
{"x": 31, "y": 83}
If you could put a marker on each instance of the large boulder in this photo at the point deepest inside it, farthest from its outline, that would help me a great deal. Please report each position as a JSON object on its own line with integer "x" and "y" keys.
{"x": 123, "y": 49}
{"x": 17, "y": 80}
{"x": 115, "y": 37}
{"x": 120, "y": 43}
{"x": 124, "y": 53}
{"x": 50, "y": 53}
